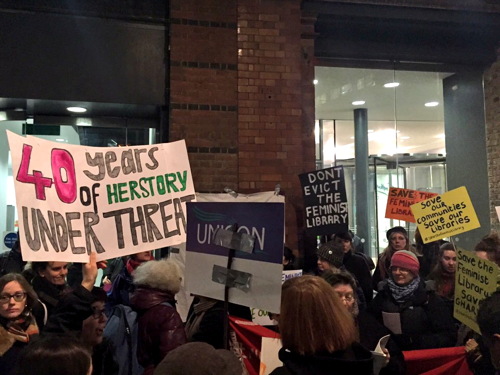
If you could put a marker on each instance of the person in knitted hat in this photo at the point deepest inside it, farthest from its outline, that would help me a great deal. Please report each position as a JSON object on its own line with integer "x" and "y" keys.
{"x": 421, "y": 319}
{"x": 404, "y": 267}
{"x": 398, "y": 240}
{"x": 330, "y": 256}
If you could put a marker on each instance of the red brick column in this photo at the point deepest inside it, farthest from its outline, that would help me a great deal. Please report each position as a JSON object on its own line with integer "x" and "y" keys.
{"x": 275, "y": 103}
{"x": 203, "y": 89}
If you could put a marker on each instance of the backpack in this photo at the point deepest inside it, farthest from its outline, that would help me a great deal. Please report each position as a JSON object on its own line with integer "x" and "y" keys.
{"x": 121, "y": 330}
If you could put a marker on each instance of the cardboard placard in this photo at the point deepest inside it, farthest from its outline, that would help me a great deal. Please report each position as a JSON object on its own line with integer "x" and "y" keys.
{"x": 445, "y": 215}
{"x": 111, "y": 200}
{"x": 475, "y": 280}
{"x": 325, "y": 201}
{"x": 399, "y": 201}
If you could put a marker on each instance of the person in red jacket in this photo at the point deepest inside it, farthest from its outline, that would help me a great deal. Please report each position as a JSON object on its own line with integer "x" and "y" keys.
{"x": 160, "y": 328}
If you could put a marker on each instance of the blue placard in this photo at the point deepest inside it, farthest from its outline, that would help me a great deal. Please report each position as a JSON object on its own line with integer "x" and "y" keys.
{"x": 264, "y": 221}
{"x": 10, "y": 239}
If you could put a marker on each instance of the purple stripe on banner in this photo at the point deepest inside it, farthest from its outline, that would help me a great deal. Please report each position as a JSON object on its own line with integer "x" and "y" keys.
{"x": 263, "y": 221}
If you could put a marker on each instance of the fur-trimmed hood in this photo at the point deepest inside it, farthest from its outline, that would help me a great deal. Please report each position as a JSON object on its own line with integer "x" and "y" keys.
{"x": 162, "y": 274}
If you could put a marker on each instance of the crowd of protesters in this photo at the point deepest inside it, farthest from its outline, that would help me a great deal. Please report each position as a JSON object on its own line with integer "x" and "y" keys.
{"x": 330, "y": 320}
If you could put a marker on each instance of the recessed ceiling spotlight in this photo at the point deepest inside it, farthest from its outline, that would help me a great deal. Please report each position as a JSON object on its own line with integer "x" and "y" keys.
{"x": 77, "y": 109}
{"x": 315, "y": 82}
{"x": 431, "y": 104}
{"x": 391, "y": 84}
{"x": 358, "y": 102}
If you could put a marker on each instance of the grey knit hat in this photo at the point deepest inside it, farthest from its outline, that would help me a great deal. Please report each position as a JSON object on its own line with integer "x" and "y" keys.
{"x": 332, "y": 252}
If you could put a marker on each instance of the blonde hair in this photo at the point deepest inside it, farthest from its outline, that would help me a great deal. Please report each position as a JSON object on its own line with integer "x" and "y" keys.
{"x": 162, "y": 274}
{"x": 313, "y": 318}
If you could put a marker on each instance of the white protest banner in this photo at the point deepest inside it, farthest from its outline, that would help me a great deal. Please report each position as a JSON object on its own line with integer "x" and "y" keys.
{"x": 112, "y": 200}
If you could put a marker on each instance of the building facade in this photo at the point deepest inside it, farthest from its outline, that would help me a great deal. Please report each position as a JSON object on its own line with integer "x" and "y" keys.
{"x": 234, "y": 78}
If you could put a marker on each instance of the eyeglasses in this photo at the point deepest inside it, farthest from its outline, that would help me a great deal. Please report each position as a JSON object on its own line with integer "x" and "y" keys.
{"x": 346, "y": 297}
{"x": 18, "y": 297}
{"x": 97, "y": 314}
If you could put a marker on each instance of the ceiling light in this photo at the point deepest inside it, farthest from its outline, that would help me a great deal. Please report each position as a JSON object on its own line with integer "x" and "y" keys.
{"x": 431, "y": 104}
{"x": 77, "y": 109}
{"x": 391, "y": 84}
{"x": 358, "y": 102}
{"x": 404, "y": 137}
{"x": 315, "y": 82}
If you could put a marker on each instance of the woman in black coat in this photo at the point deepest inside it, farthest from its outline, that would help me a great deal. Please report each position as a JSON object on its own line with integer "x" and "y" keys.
{"x": 317, "y": 332}
{"x": 419, "y": 318}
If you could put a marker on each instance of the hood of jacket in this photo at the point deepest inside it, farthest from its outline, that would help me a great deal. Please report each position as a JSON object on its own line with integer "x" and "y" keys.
{"x": 354, "y": 360}
{"x": 144, "y": 298}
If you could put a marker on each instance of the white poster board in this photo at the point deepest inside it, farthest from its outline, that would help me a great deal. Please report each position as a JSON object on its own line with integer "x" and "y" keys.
{"x": 115, "y": 201}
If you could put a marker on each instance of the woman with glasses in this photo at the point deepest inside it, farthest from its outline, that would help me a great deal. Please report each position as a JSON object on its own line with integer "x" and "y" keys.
{"x": 17, "y": 325}
{"x": 415, "y": 315}
{"x": 369, "y": 331}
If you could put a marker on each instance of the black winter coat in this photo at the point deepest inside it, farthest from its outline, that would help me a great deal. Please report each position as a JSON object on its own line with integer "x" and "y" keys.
{"x": 425, "y": 323}
{"x": 355, "y": 360}
{"x": 357, "y": 265}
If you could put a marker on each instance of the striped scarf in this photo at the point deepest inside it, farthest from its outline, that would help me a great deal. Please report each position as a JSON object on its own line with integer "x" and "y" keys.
{"x": 403, "y": 293}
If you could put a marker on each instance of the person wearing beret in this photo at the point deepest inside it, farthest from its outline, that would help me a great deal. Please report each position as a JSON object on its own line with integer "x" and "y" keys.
{"x": 398, "y": 240}
{"x": 419, "y": 318}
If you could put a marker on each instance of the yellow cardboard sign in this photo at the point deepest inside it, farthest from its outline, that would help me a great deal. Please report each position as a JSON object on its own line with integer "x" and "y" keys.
{"x": 399, "y": 201}
{"x": 475, "y": 280}
{"x": 445, "y": 215}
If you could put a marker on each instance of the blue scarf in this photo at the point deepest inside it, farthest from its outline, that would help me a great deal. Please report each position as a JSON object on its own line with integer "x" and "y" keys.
{"x": 403, "y": 293}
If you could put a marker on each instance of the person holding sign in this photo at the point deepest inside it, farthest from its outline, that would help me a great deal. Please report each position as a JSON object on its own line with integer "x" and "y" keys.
{"x": 416, "y": 316}
{"x": 49, "y": 283}
{"x": 317, "y": 332}
{"x": 398, "y": 240}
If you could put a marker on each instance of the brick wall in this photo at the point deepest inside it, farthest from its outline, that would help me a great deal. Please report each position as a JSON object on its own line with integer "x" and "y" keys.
{"x": 203, "y": 89}
{"x": 492, "y": 109}
{"x": 275, "y": 98}
{"x": 242, "y": 96}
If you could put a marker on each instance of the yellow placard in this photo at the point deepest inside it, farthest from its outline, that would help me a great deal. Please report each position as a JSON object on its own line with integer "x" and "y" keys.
{"x": 475, "y": 280}
{"x": 445, "y": 215}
